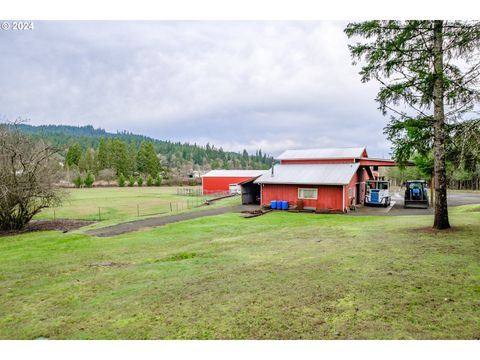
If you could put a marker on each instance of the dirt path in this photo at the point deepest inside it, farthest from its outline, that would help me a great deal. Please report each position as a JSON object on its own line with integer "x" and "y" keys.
{"x": 64, "y": 225}
{"x": 158, "y": 221}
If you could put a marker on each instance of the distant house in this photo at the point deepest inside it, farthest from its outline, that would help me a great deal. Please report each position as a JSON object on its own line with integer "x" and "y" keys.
{"x": 319, "y": 179}
{"x": 196, "y": 174}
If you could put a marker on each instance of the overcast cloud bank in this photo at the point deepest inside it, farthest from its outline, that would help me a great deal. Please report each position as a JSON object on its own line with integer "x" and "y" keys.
{"x": 268, "y": 85}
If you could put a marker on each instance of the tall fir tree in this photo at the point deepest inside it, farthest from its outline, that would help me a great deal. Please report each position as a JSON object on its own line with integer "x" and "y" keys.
{"x": 428, "y": 73}
{"x": 73, "y": 156}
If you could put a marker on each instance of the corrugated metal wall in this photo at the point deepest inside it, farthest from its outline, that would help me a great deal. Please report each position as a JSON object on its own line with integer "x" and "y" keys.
{"x": 212, "y": 185}
{"x": 318, "y": 161}
{"x": 329, "y": 197}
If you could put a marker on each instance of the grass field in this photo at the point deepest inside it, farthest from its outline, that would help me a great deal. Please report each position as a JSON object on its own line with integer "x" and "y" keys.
{"x": 119, "y": 203}
{"x": 278, "y": 276}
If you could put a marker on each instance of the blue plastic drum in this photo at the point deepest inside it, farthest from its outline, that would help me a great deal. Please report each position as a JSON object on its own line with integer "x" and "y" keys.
{"x": 284, "y": 205}
{"x": 273, "y": 204}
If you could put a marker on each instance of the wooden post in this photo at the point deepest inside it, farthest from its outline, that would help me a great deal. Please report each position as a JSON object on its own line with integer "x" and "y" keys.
{"x": 138, "y": 210}
{"x": 54, "y": 216}
{"x": 170, "y": 207}
{"x": 99, "y": 215}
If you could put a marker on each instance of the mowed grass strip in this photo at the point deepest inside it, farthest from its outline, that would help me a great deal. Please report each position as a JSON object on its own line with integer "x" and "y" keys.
{"x": 278, "y": 276}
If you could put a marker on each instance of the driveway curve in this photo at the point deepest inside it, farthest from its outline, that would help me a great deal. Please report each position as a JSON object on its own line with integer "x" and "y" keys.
{"x": 136, "y": 225}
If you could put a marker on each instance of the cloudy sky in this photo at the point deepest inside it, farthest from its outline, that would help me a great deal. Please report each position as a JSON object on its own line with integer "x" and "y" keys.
{"x": 268, "y": 85}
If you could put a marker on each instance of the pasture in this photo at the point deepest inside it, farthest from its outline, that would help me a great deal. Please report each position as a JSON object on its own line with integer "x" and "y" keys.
{"x": 118, "y": 204}
{"x": 278, "y": 276}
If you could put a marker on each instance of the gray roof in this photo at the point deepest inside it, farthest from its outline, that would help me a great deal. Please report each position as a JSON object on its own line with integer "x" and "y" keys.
{"x": 310, "y": 174}
{"x": 234, "y": 173}
{"x": 326, "y": 153}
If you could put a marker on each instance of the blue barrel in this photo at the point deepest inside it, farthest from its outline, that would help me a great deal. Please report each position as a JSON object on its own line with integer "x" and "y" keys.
{"x": 284, "y": 205}
{"x": 273, "y": 204}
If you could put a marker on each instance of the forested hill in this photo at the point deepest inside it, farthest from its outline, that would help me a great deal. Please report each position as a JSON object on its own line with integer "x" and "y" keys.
{"x": 175, "y": 153}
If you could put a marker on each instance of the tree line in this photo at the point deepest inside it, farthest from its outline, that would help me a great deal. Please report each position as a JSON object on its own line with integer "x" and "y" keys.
{"x": 174, "y": 156}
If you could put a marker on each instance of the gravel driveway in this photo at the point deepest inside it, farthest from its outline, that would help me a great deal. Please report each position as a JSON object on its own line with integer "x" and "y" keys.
{"x": 158, "y": 221}
{"x": 453, "y": 198}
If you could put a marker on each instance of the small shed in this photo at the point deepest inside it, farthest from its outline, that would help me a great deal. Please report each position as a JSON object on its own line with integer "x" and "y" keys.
{"x": 227, "y": 181}
{"x": 251, "y": 194}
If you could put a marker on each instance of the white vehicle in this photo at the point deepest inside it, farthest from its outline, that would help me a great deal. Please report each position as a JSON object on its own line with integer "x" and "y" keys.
{"x": 235, "y": 189}
{"x": 378, "y": 193}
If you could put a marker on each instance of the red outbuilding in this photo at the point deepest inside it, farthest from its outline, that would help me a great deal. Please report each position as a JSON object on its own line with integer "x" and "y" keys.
{"x": 319, "y": 179}
{"x": 226, "y": 181}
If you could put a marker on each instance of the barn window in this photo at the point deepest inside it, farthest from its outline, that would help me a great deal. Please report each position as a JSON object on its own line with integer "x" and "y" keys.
{"x": 350, "y": 192}
{"x": 307, "y": 193}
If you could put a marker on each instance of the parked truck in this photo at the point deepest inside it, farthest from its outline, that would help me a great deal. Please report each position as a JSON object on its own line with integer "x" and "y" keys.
{"x": 378, "y": 193}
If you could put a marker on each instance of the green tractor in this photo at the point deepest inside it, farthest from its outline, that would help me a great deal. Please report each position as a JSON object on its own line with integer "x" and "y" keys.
{"x": 416, "y": 194}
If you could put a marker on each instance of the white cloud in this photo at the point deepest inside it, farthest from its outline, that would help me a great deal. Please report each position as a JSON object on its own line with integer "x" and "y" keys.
{"x": 269, "y": 85}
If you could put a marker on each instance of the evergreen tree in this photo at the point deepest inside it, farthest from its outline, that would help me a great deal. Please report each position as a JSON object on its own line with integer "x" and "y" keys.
{"x": 89, "y": 180}
{"x": 103, "y": 156}
{"x": 121, "y": 180}
{"x": 120, "y": 159}
{"x": 74, "y": 154}
{"x": 428, "y": 73}
{"x": 147, "y": 160}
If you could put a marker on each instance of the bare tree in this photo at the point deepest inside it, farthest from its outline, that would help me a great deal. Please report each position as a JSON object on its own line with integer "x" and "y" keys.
{"x": 28, "y": 171}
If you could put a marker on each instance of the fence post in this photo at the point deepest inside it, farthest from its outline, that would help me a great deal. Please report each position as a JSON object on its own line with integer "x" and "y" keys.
{"x": 54, "y": 216}
{"x": 138, "y": 210}
{"x": 99, "y": 215}
{"x": 170, "y": 207}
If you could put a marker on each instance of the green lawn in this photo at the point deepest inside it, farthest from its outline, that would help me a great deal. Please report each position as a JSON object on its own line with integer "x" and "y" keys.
{"x": 119, "y": 204}
{"x": 278, "y": 276}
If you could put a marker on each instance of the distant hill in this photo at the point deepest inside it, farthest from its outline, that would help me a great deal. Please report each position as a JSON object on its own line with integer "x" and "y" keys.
{"x": 176, "y": 153}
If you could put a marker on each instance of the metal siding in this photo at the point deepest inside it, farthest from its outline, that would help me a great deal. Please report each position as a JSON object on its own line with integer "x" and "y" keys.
{"x": 319, "y": 161}
{"x": 310, "y": 174}
{"x": 220, "y": 184}
{"x": 352, "y": 185}
{"x": 377, "y": 162}
{"x": 326, "y": 153}
{"x": 329, "y": 197}
{"x": 235, "y": 173}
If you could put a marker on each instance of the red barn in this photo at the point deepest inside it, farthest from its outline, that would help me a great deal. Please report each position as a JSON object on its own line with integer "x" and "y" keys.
{"x": 321, "y": 179}
{"x": 223, "y": 181}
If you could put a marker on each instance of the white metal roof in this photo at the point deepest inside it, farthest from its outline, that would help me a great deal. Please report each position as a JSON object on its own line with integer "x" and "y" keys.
{"x": 326, "y": 153}
{"x": 234, "y": 173}
{"x": 310, "y": 174}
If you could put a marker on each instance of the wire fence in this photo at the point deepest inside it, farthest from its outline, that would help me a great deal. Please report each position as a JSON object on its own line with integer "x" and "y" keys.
{"x": 121, "y": 211}
{"x": 203, "y": 193}
{"x": 124, "y": 204}
{"x": 100, "y": 213}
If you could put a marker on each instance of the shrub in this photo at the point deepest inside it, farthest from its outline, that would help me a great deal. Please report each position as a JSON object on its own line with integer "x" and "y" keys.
{"x": 78, "y": 181}
{"x": 131, "y": 181}
{"x": 158, "y": 180}
{"x": 121, "y": 180}
{"x": 106, "y": 175}
{"x": 140, "y": 181}
{"x": 89, "y": 180}
{"x": 149, "y": 180}
{"x": 29, "y": 171}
